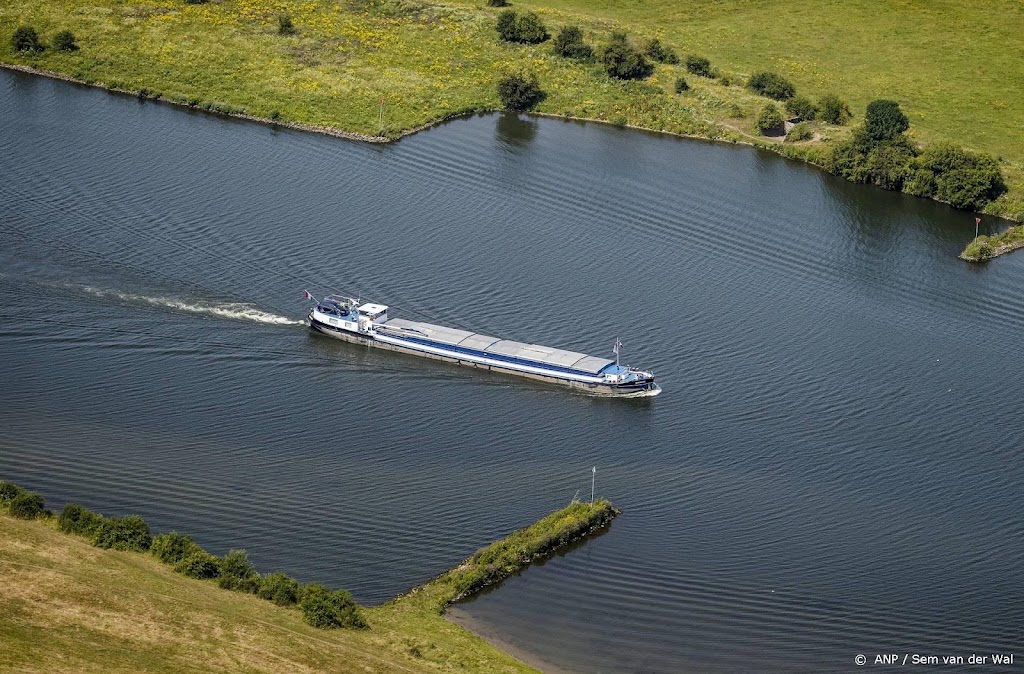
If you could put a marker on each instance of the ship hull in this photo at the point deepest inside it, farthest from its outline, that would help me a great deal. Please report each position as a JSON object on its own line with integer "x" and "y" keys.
{"x": 639, "y": 390}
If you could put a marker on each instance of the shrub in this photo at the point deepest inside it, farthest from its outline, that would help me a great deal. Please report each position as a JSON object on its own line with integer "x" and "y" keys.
{"x": 887, "y": 165}
{"x": 327, "y": 610}
{"x": 26, "y": 40}
{"x": 569, "y": 43}
{"x": 884, "y": 120}
{"x": 681, "y": 85}
{"x": 238, "y": 573}
{"x": 530, "y": 29}
{"x": 622, "y": 61}
{"x": 199, "y": 564}
{"x": 771, "y": 85}
{"x": 802, "y": 107}
{"x": 74, "y": 519}
{"x": 962, "y": 178}
{"x": 768, "y": 119}
{"x": 526, "y": 27}
{"x": 195, "y": 2}
{"x": 123, "y": 533}
{"x": 660, "y": 53}
{"x": 834, "y": 110}
{"x": 801, "y": 131}
{"x": 279, "y": 588}
{"x": 519, "y": 91}
{"x": 497, "y": 3}
{"x": 8, "y": 492}
{"x": 698, "y": 65}
{"x": 27, "y": 505}
{"x": 285, "y": 25}
{"x": 64, "y": 41}
{"x": 979, "y": 249}
{"x": 173, "y": 547}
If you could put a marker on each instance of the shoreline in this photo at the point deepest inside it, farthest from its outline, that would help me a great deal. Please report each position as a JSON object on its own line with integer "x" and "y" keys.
{"x": 738, "y": 138}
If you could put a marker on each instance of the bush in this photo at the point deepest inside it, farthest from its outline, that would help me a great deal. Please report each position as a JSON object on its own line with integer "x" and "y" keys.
{"x": 173, "y": 547}
{"x": 887, "y": 165}
{"x": 195, "y": 2}
{"x": 285, "y": 25}
{"x": 834, "y": 110}
{"x": 279, "y": 588}
{"x": 769, "y": 119}
{"x": 519, "y": 91}
{"x": 8, "y": 492}
{"x": 660, "y": 53}
{"x": 801, "y": 131}
{"x": 327, "y": 610}
{"x": 681, "y": 85}
{"x": 526, "y": 28}
{"x": 199, "y": 564}
{"x": 26, "y": 40}
{"x": 64, "y": 41}
{"x": 802, "y": 107}
{"x": 962, "y": 178}
{"x": 884, "y": 120}
{"x": 622, "y": 61}
{"x": 238, "y": 573}
{"x": 979, "y": 249}
{"x": 74, "y": 519}
{"x": 27, "y": 505}
{"x": 497, "y": 3}
{"x": 698, "y": 65}
{"x": 569, "y": 44}
{"x": 771, "y": 85}
{"x": 123, "y": 533}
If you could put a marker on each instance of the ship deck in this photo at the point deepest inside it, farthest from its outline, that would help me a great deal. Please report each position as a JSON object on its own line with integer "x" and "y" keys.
{"x": 471, "y": 343}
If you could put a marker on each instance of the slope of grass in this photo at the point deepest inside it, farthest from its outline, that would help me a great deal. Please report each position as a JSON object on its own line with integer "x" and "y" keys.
{"x": 952, "y": 64}
{"x": 70, "y": 607}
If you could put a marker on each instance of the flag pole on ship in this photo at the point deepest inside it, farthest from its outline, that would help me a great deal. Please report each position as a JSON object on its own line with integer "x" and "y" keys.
{"x": 617, "y": 348}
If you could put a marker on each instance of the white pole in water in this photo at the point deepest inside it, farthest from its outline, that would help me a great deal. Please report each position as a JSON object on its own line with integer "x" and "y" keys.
{"x": 593, "y": 478}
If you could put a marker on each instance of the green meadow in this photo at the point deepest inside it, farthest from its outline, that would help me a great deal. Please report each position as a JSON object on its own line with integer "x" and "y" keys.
{"x": 953, "y": 65}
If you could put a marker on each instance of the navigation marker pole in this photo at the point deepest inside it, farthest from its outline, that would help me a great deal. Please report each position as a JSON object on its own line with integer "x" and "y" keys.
{"x": 593, "y": 477}
{"x": 977, "y": 221}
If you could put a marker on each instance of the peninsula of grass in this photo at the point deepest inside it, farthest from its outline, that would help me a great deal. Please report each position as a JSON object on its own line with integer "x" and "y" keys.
{"x": 985, "y": 248}
{"x": 82, "y": 595}
{"x": 428, "y": 61}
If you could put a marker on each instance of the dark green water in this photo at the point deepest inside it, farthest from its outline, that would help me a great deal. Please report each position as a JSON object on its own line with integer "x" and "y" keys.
{"x": 833, "y": 468}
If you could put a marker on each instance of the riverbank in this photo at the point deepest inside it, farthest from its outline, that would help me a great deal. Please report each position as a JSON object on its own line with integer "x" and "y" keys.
{"x": 985, "y": 248}
{"x": 72, "y": 606}
{"x": 432, "y": 62}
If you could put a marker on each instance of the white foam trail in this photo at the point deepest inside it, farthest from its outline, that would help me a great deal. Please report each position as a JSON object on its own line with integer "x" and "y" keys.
{"x": 233, "y": 310}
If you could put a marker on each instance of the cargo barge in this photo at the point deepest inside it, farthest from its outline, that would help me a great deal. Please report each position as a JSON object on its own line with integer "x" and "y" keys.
{"x": 368, "y": 323}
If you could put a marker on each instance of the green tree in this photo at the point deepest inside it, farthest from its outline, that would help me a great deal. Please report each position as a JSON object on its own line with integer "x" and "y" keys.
{"x": 27, "y": 505}
{"x": 123, "y": 533}
{"x": 238, "y": 573}
{"x": 199, "y": 564}
{"x": 622, "y": 61}
{"x": 327, "y": 610}
{"x": 26, "y": 40}
{"x": 519, "y": 91}
{"x": 834, "y": 110}
{"x": 569, "y": 44}
{"x": 530, "y": 29}
{"x": 173, "y": 547}
{"x": 802, "y": 107}
{"x": 280, "y": 589}
{"x": 884, "y": 120}
{"x": 698, "y": 65}
{"x": 771, "y": 85}
{"x": 74, "y": 519}
{"x": 506, "y": 26}
{"x": 768, "y": 119}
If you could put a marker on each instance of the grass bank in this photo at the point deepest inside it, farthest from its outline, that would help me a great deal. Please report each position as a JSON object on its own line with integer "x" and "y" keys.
{"x": 985, "y": 248}
{"x": 431, "y": 60}
{"x": 71, "y": 606}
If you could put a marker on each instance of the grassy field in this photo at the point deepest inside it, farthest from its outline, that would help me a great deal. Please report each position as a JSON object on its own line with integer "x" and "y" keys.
{"x": 952, "y": 64}
{"x": 68, "y": 606}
